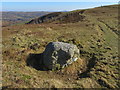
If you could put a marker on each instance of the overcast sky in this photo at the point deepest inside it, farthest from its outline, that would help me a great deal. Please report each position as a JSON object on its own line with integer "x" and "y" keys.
{"x": 52, "y": 6}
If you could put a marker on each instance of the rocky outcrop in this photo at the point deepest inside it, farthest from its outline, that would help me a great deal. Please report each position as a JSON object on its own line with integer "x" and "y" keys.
{"x": 59, "y": 17}
{"x": 45, "y": 18}
{"x": 58, "y": 55}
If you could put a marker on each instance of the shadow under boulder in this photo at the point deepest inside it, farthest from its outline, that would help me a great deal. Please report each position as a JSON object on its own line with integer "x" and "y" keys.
{"x": 57, "y": 55}
{"x": 36, "y": 61}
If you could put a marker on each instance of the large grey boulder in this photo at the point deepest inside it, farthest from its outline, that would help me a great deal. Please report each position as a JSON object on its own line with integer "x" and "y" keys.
{"x": 58, "y": 55}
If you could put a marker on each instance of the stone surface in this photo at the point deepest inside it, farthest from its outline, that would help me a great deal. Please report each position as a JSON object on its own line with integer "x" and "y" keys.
{"x": 58, "y": 55}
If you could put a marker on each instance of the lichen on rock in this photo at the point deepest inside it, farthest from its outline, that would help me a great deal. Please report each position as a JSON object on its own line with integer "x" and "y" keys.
{"x": 59, "y": 53}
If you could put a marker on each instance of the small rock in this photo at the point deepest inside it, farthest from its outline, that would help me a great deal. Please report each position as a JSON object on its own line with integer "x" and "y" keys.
{"x": 69, "y": 79}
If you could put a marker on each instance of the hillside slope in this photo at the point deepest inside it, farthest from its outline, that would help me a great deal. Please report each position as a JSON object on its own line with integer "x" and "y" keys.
{"x": 94, "y": 31}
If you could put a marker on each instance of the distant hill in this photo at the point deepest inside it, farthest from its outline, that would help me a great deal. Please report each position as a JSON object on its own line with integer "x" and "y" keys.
{"x": 10, "y": 18}
{"x": 102, "y": 14}
{"x": 75, "y": 16}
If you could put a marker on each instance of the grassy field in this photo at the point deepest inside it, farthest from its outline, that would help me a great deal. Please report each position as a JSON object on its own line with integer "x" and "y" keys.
{"x": 96, "y": 36}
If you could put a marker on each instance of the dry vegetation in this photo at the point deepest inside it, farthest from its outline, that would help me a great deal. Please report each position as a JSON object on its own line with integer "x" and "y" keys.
{"x": 96, "y": 36}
